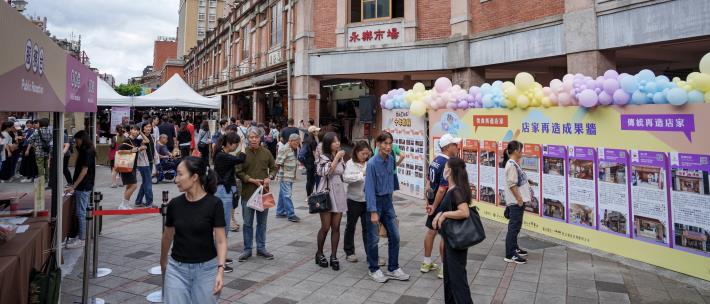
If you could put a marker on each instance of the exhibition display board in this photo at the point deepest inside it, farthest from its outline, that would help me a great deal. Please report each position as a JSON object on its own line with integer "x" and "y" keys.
{"x": 409, "y": 133}
{"x": 631, "y": 180}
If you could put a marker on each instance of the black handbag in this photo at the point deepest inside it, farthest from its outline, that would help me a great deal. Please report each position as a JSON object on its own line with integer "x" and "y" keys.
{"x": 44, "y": 284}
{"x": 461, "y": 234}
{"x": 320, "y": 201}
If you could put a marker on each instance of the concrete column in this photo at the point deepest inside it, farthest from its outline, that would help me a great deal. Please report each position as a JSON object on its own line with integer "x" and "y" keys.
{"x": 460, "y": 18}
{"x": 341, "y": 22}
{"x": 410, "y": 20}
{"x": 468, "y": 77}
{"x": 306, "y": 98}
{"x": 580, "y": 26}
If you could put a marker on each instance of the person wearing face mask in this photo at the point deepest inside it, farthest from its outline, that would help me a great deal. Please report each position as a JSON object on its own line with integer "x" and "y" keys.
{"x": 454, "y": 206}
{"x": 194, "y": 226}
{"x": 254, "y": 172}
{"x": 517, "y": 193}
{"x": 132, "y": 144}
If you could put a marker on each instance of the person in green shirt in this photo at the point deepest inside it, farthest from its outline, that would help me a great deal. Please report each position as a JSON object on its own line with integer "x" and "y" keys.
{"x": 398, "y": 155}
{"x": 254, "y": 172}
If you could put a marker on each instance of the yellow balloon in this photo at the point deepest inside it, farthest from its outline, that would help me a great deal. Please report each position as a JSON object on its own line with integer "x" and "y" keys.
{"x": 535, "y": 102}
{"x": 546, "y": 102}
{"x": 523, "y": 102}
{"x": 676, "y": 79}
{"x": 702, "y": 82}
{"x": 707, "y": 97}
{"x": 705, "y": 64}
{"x": 419, "y": 87}
{"x": 507, "y": 85}
{"x": 524, "y": 81}
{"x": 418, "y": 108}
{"x": 511, "y": 93}
{"x": 510, "y": 103}
{"x": 539, "y": 94}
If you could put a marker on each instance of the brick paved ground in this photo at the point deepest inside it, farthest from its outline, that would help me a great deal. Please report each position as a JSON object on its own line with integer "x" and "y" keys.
{"x": 556, "y": 272}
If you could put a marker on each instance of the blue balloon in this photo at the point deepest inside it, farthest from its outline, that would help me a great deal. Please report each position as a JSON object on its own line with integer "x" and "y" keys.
{"x": 638, "y": 98}
{"x": 662, "y": 81}
{"x": 488, "y": 101}
{"x": 485, "y": 88}
{"x": 497, "y": 83}
{"x": 677, "y": 96}
{"x": 659, "y": 98}
{"x": 629, "y": 84}
{"x": 695, "y": 96}
{"x": 651, "y": 87}
{"x": 646, "y": 75}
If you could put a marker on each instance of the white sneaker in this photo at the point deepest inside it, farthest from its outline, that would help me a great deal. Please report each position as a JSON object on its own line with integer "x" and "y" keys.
{"x": 26, "y": 180}
{"x": 76, "y": 244}
{"x": 398, "y": 275}
{"x": 124, "y": 206}
{"x": 378, "y": 276}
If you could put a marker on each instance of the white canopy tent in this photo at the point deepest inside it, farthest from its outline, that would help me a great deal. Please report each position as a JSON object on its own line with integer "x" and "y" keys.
{"x": 176, "y": 93}
{"x": 107, "y": 97}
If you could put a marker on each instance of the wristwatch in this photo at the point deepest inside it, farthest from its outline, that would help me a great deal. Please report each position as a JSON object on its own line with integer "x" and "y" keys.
{"x": 220, "y": 266}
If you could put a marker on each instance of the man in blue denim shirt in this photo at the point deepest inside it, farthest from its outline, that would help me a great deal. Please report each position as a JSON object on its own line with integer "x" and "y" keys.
{"x": 380, "y": 183}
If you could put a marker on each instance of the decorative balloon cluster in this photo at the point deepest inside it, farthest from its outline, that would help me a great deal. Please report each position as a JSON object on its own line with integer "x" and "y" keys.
{"x": 573, "y": 90}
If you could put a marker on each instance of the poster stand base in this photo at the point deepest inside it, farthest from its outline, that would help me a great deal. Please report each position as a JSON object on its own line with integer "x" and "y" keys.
{"x": 155, "y": 270}
{"x": 102, "y": 272}
{"x": 155, "y": 297}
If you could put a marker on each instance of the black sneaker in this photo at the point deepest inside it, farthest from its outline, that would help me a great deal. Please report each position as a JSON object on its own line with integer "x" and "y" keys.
{"x": 294, "y": 219}
{"x": 516, "y": 259}
{"x": 228, "y": 269}
{"x": 228, "y": 261}
{"x": 280, "y": 216}
{"x": 265, "y": 254}
{"x": 521, "y": 252}
{"x": 245, "y": 256}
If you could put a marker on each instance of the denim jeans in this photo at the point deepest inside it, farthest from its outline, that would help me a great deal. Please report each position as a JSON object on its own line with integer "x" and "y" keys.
{"x": 227, "y": 204}
{"x": 385, "y": 210}
{"x": 514, "y": 224}
{"x": 190, "y": 282}
{"x": 248, "y": 227}
{"x": 146, "y": 186}
{"x": 81, "y": 202}
{"x": 284, "y": 206}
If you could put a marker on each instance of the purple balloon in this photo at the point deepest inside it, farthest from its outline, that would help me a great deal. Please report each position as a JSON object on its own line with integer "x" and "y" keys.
{"x": 620, "y": 97}
{"x": 610, "y": 85}
{"x": 590, "y": 83}
{"x": 451, "y": 105}
{"x": 611, "y": 74}
{"x": 474, "y": 90}
{"x": 463, "y": 104}
{"x": 588, "y": 98}
{"x": 605, "y": 99}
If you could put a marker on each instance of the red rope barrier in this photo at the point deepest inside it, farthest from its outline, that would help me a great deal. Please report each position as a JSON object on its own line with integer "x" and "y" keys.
{"x": 127, "y": 212}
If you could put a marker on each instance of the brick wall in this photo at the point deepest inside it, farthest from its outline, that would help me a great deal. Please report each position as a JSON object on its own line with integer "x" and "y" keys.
{"x": 324, "y": 19}
{"x": 433, "y": 18}
{"x": 494, "y": 14}
{"x": 163, "y": 50}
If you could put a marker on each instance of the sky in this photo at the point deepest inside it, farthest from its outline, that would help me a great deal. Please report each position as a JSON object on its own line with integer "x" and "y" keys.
{"x": 117, "y": 35}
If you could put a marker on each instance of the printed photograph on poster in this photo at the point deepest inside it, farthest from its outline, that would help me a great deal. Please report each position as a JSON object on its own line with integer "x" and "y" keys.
{"x": 469, "y": 153}
{"x": 554, "y": 182}
{"x": 487, "y": 171}
{"x": 501, "y": 172}
{"x": 581, "y": 187}
{"x": 690, "y": 202}
{"x": 649, "y": 202}
{"x": 409, "y": 138}
{"x": 613, "y": 191}
{"x": 530, "y": 163}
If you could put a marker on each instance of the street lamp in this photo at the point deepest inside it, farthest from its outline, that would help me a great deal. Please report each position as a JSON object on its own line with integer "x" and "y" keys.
{"x": 19, "y": 5}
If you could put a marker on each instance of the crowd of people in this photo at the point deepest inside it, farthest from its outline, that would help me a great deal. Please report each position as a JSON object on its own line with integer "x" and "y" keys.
{"x": 215, "y": 172}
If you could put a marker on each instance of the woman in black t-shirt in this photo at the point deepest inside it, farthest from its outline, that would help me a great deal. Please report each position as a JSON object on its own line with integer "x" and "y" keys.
{"x": 455, "y": 207}
{"x": 194, "y": 225}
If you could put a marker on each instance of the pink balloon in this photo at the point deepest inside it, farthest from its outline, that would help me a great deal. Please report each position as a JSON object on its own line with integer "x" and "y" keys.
{"x": 605, "y": 99}
{"x": 564, "y": 99}
{"x": 567, "y": 77}
{"x": 555, "y": 85}
{"x": 546, "y": 91}
{"x": 452, "y": 105}
{"x": 553, "y": 99}
{"x": 442, "y": 84}
{"x": 620, "y": 97}
{"x": 568, "y": 84}
{"x": 610, "y": 85}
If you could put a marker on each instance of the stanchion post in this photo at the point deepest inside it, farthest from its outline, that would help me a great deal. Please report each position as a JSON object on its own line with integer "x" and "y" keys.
{"x": 157, "y": 296}
{"x": 87, "y": 244}
{"x": 95, "y": 199}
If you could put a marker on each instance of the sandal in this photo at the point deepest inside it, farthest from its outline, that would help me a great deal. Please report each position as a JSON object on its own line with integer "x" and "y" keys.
{"x": 234, "y": 228}
{"x": 321, "y": 261}
{"x": 334, "y": 263}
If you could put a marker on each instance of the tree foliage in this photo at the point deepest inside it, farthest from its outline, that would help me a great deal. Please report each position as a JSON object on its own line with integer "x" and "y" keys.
{"x": 129, "y": 89}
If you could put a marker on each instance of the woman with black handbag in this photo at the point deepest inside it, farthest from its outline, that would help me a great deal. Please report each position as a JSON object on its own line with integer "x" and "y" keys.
{"x": 331, "y": 167}
{"x": 455, "y": 206}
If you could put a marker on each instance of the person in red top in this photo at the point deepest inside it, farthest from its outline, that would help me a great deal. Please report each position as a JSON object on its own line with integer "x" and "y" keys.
{"x": 191, "y": 128}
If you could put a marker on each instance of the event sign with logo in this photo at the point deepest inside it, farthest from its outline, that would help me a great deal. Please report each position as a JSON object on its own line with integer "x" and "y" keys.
{"x": 631, "y": 180}
{"x": 409, "y": 134}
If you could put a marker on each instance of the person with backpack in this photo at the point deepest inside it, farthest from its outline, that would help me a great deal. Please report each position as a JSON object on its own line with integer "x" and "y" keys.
{"x": 307, "y": 157}
{"x": 204, "y": 141}
{"x": 41, "y": 141}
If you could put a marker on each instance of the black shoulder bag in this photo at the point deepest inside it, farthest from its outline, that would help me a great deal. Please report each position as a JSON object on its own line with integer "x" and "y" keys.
{"x": 320, "y": 201}
{"x": 461, "y": 234}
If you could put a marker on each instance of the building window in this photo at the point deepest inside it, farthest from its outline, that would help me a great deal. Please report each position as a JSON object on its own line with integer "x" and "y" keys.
{"x": 368, "y": 10}
{"x": 201, "y": 16}
{"x": 213, "y": 17}
{"x": 246, "y": 44}
{"x": 213, "y": 3}
{"x": 276, "y": 25}
{"x": 202, "y": 3}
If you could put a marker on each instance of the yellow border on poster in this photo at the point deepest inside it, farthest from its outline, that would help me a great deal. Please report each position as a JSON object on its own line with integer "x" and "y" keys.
{"x": 608, "y": 134}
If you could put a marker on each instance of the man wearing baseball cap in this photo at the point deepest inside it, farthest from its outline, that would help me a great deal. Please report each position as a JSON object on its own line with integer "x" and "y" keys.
{"x": 435, "y": 190}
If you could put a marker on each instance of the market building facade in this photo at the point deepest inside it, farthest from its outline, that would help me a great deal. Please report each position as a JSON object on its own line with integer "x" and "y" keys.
{"x": 344, "y": 49}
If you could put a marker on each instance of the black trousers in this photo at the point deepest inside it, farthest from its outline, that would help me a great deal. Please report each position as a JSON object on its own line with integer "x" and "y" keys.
{"x": 514, "y": 224}
{"x": 67, "y": 174}
{"x": 356, "y": 210}
{"x": 204, "y": 153}
{"x": 310, "y": 179}
{"x": 456, "y": 290}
